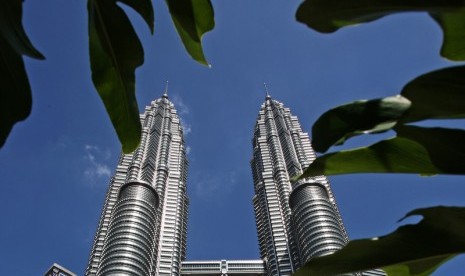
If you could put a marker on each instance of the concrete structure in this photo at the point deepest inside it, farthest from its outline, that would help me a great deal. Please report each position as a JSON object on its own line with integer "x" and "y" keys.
{"x": 58, "y": 270}
{"x": 290, "y": 234}
{"x": 130, "y": 240}
{"x": 223, "y": 267}
{"x": 143, "y": 226}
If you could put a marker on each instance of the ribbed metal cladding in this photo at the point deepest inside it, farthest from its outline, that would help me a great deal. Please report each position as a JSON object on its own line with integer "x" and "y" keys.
{"x": 315, "y": 221}
{"x": 281, "y": 150}
{"x": 160, "y": 160}
{"x": 272, "y": 189}
{"x": 129, "y": 243}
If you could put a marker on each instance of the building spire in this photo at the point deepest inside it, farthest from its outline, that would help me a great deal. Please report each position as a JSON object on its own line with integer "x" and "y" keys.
{"x": 165, "y": 93}
{"x": 267, "y": 95}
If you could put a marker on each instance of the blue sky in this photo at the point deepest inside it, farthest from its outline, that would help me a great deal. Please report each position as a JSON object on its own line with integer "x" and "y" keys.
{"x": 56, "y": 165}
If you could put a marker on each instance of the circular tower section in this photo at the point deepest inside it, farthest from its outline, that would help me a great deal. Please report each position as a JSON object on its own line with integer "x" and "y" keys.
{"x": 130, "y": 241}
{"x": 315, "y": 221}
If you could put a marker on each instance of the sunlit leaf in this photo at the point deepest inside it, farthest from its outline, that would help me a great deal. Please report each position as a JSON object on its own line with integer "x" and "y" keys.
{"x": 192, "y": 19}
{"x": 15, "y": 92}
{"x": 452, "y": 25}
{"x": 436, "y": 95}
{"x": 115, "y": 53}
{"x": 395, "y": 155}
{"x": 412, "y": 249}
{"x": 416, "y": 150}
{"x": 359, "y": 117}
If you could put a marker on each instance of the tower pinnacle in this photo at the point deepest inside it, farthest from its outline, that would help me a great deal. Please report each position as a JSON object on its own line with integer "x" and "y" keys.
{"x": 165, "y": 93}
{"x": 267, "y": 95}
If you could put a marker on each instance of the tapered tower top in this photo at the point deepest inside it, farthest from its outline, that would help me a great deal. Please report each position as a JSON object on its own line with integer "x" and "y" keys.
{"x": 267, "y": 95}
{"x": 165, "y": 93}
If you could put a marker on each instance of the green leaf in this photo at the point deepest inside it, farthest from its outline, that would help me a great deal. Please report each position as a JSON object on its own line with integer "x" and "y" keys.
{"x": 416, "y": 150}
{"x": 436, "y": 95}
{"x": 342, "y": 122}
{"x": 396, "y": 155}
{"x": 445, "y": 147}
{"x": 144, "y": 8}
{"x": 15, "y": 95}
{"x": 418, "y": 267}
{"x": 192, "y": 19}
{"x": 328, "y": 16}
{"x": 12, "y": 31}
{"x": 115, "y": 53}
{"x": 452, "y": 25}
{"x": 412, "y": 249}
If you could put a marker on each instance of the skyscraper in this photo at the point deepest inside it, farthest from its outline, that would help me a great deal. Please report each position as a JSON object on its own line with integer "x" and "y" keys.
{"x": 143, "y": 226}
{"x": 294, "y": 221}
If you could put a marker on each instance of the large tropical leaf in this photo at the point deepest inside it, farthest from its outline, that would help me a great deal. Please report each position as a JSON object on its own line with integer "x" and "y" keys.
{"x": 412, "y": 249}
{"x": 12, "y": 31}
{"x": 395, "y": 155}
{"x": 436, "y": 95}
{"x": 452, "y": 25}
{"x": 328, "y": 16}
{"x": 15, "y": 92}
{"x": 416, "y": 150}
{"x": 192, "y": 19}
{"x": 115, "y": 53}
{"x": 356, "y": 118}
{"x": 144, "y": 8}
{"x": 446, "y": 147}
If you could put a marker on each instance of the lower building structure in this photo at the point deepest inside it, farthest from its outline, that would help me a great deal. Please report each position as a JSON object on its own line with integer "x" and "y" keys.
{"x": 223, "y": 267}
{"x": 58, "y": 270}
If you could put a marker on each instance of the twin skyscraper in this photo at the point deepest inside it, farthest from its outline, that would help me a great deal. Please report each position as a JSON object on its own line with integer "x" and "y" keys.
{"x": 143, "y": 225}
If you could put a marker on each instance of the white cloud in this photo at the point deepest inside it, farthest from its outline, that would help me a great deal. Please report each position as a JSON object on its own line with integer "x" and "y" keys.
{"x": 183, "y": 111}
{"x": 61, "y": 143}
{"x": 188, "y": 150}
{"x": 186, "y": 127}
{"x": 95, "y": 168}
{"x": 180, "y": 106}
{"x": 91, "y": 157}
{"x": 90, "y": 147}
{"x": 102, "y": 170}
